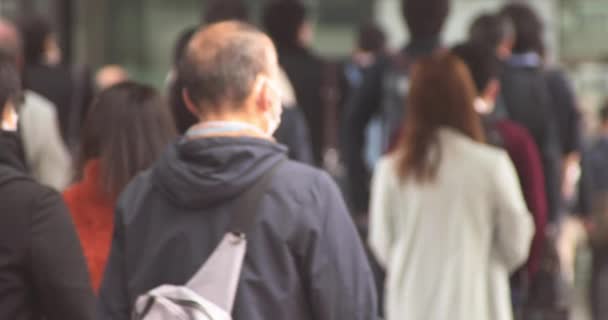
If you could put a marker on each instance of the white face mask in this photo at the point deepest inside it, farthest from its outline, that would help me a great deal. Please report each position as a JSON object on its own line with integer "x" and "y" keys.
{"x": 273, "y": 117}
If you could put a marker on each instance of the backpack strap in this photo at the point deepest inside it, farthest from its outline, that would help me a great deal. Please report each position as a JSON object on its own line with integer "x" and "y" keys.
{"x": 218, "y": 278}
{"x": 246, "y": 208}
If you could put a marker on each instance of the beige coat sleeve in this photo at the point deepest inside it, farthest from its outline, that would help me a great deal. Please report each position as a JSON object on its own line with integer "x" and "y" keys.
{"x": 46, "y": 154}
{"x": 514, "y": 226}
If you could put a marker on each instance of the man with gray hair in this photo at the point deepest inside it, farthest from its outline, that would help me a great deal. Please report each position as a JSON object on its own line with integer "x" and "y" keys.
{"x": 46, "y": 155}
{"x": 304, "y": 259}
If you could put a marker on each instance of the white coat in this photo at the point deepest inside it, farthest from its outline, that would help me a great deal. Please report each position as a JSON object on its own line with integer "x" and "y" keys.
{"x": 450, "y": 245}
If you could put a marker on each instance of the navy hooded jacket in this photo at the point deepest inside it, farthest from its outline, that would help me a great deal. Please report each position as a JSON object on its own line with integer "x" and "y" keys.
{"x": 304, "y": 258}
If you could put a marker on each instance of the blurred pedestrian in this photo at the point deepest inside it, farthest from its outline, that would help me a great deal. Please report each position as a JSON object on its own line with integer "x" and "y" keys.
{"x": 127, "y": 129}
{"x": 47, "y": 157}
{"x": 593, "y": 205}
{"x": 384, "y": 90}
{"x": 506, "y": 134}
{"x": 495, "y": 31}
{"x": 304, "y": 259}
{"x": 69, "y": 88}
{"x": 448, "y": 219}
{"x": 42, "y": 269}
{"x": 542, "y": 100}
{"x": 289, "y": 26}
{"x": 293, "y": 131}
{"x": 371, "y": 46}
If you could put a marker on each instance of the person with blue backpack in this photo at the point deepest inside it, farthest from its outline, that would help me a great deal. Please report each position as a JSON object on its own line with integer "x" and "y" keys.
{"x": 383, "y": 91}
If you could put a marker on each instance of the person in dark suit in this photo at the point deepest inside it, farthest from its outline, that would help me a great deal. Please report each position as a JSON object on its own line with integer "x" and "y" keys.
{"x": 287, "y": 24}
{"x": 42, "y": 269}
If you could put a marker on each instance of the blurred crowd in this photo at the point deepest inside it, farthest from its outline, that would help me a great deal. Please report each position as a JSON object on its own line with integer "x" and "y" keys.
{"x": 268, "y": 182}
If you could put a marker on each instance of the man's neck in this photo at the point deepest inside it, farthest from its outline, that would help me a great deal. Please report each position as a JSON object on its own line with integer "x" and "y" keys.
{"x": 226, "y": 127}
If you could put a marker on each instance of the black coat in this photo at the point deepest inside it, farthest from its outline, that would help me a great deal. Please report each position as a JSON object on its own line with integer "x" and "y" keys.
{"x": 42, "y": 269}
{"x": 306, "y": 73}
{"x": 304, "y": 259}
{"x": 544, "y": 104}
{"x": 293, "y": 133}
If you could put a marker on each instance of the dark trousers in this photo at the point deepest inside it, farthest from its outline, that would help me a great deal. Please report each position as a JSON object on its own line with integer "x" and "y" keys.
{"x": 599, "y": 282}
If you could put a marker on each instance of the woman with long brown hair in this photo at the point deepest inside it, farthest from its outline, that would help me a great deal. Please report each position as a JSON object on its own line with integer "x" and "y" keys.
{"x": 126, "y": 130}
{"x": 448, "y": 220}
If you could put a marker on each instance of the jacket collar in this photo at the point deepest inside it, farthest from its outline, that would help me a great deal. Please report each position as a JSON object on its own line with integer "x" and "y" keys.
{"x": 526, "y": 60}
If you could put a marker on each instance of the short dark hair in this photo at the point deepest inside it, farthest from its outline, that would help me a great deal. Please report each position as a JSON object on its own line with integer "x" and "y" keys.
{"x": 425, "y": 18}
{"x": 222, "y": 63}
{"x": 528, "y": 28}
{"x": 283, "y": 20}
{"x": 223, "y": 10}
{"x": 10, "y": 81}
{"x": 35, "y": 30}
{"x": 371, "y": 38}
{"x": 481, "y": 61}
{"x": 127, "y": 128}
{"x": 491, "y": 29}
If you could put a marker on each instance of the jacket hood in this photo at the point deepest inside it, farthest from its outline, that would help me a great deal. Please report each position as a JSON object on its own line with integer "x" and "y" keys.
{"x": 204, "y": 172}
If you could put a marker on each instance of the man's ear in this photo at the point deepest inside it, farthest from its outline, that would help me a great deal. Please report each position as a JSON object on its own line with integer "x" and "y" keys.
{"x": 189, "y": 103}
{"x": 262, "y": 94}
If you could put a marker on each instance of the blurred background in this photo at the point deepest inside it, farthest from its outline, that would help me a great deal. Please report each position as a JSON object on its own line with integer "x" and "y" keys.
{"x": 139, "y": 34}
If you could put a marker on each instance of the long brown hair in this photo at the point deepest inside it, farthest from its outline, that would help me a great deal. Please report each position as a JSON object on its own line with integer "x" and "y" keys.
{"x": 442, "y": 94}
{"x": 128, "y": 127}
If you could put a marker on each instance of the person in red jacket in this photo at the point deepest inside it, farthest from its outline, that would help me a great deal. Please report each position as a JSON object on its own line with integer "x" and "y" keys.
{"x": 126, "y": 130}
{"x": 515, "y": 139}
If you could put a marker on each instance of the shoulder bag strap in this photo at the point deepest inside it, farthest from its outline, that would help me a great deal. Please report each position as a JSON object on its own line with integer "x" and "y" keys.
{"x": 246, "y": 208}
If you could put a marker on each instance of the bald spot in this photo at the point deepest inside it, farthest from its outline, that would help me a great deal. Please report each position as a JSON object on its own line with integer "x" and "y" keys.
{"x": 207, "y": 44}
{"x": 223, "y": 61}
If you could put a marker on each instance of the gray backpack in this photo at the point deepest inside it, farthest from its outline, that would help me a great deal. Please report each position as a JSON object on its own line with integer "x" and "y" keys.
{"x": 210, "y": 293}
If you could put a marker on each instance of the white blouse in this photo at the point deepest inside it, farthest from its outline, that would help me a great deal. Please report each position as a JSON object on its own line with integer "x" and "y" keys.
{"x": 450, "y": 245}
